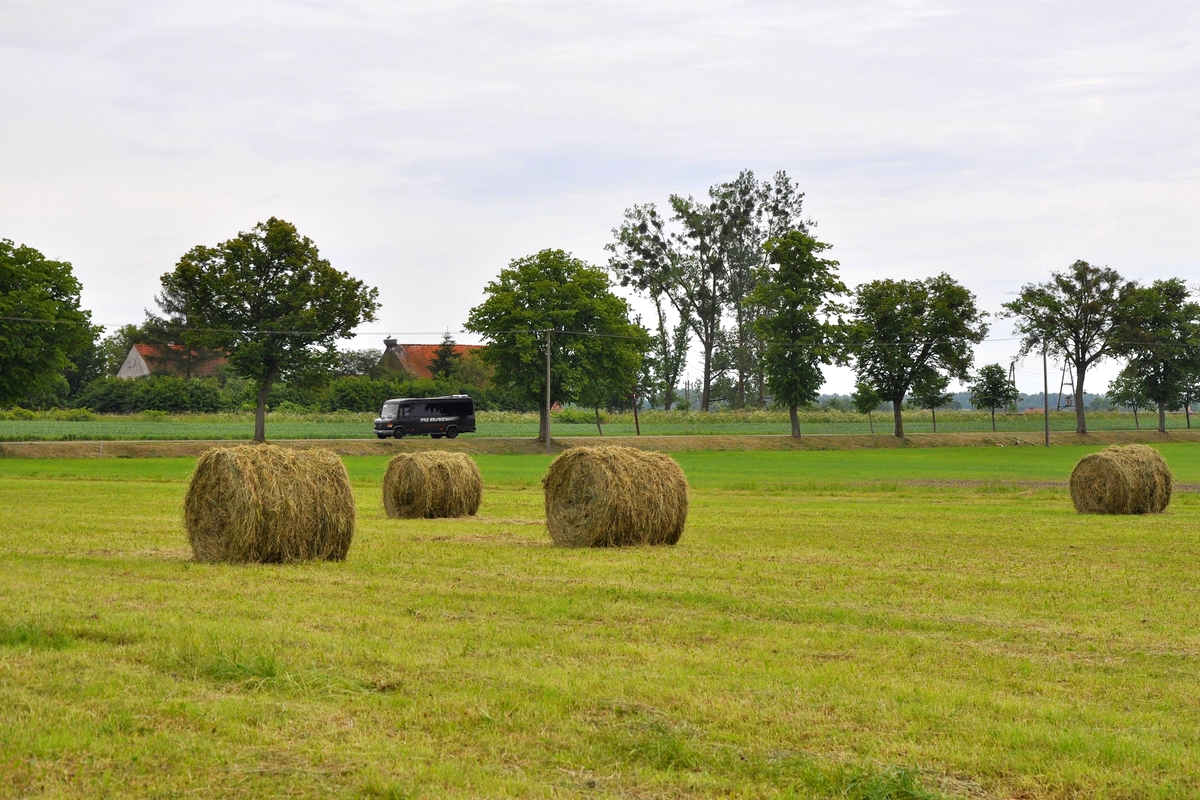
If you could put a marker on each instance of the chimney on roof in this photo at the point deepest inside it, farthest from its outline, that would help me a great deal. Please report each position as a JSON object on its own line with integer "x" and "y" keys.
{"x": 389, "y": 343}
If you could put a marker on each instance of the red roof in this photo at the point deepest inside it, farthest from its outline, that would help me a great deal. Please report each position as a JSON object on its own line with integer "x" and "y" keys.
{"x": 417, "y": 358}
{"x": 203, "y": 363}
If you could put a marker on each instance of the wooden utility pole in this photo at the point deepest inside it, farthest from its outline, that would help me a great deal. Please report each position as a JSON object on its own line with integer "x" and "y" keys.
{"x": 547, "y": 390}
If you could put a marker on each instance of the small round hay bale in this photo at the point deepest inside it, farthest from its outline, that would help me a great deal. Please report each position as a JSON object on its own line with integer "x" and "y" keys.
{"x": 432, "y": 484}
{"x": 1133, "y": 479}
{"x": 262, "y": 503}
{"x": 613, "y": 496}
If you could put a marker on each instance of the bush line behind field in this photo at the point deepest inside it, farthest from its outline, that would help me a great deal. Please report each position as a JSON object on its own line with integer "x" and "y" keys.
{"x": 82, "y": 425}
{"x": 576, "y": 416}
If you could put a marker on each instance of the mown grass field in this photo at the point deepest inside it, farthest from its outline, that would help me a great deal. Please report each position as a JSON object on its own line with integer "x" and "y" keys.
{"x": 342, "y": 425}
{"x": 899, "y": 623}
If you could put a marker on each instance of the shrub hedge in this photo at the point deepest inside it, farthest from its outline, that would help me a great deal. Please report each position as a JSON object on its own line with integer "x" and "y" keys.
{"x": 206, "y": 395}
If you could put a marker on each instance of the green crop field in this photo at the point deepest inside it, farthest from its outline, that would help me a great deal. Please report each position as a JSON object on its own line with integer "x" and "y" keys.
{"x": 83, "y": 425}
{"x": 862, "y": 624}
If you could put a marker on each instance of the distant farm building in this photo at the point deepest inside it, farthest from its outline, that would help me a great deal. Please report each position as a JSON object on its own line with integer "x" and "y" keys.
{"x": 170, "y": 359}
{"x": 416, "y": 359}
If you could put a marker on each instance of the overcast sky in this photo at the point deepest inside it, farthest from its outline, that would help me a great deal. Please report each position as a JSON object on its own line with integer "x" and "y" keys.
{"x": 424, "y": 145}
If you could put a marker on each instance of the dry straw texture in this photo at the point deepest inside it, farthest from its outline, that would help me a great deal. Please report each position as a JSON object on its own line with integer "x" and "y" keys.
{"x": 269, "y": 504}
{"x": 611, "y": 496}
{"x": 432, "y": 483}
{"x": 1133, "y": 479}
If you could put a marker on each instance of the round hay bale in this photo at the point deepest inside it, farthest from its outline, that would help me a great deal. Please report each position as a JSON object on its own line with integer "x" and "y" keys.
{"x": 262, "y": 503}
{"x": 613, "y": 496}
{"x": 1133, "y": 479}
{"x": 432, "y": 484}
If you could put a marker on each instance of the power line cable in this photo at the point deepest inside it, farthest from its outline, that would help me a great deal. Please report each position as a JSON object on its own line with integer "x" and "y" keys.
{"x": 274, "y": 331}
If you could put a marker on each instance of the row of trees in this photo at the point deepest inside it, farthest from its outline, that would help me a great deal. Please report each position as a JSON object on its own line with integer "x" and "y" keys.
{"x": 558, "y": 334}
{"x": 1086, "y": 314}
{"x": 552, "y": 317}
{"x": 266, "y": 299}
{"x": 746, "y": 255}
{"x": 741, "y": 274}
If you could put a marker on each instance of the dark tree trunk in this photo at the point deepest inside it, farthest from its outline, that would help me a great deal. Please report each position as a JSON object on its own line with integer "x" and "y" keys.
{"x": 598, "y": 428}
{"x": 899, "y": 417}
{"x": 871, "y": 422}
{"x": 1136, "y": 423}
{"x": 707, "y": 376}
{"x": 1080, "y": 411}
{"x": 668, "y": 398}
{"x": 993, "y": 419}
{"x": 795, "y": 418}
{"x": 933, "y": 413}
{"x": 543, "y": 422}
{"x": 260, "y": 413}
{"x": 637, "y": 426}
{"x": 1187, "y": 412}
{"x": 1162, "y": 417}
{"x": 741, "y": 383}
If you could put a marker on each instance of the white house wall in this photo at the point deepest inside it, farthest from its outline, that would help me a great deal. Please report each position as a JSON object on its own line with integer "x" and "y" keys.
{"x": 134, "y": 365}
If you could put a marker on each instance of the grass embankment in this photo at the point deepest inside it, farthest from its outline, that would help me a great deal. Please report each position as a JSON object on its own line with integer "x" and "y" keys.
{"x": 82, "y": 425}
{"x": 821, "y": 630}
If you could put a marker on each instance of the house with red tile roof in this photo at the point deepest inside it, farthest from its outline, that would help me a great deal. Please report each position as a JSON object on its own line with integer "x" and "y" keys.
{"x": 170, "y": 359}
{"x": 416, "y": 359}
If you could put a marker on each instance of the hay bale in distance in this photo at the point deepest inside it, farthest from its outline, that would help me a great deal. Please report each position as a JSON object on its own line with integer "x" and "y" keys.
{"x": 1133, "y": 479}
{"x": 613, "y": 496}
{"x": 430, "y": 484}
{"x": 263, "y": 503}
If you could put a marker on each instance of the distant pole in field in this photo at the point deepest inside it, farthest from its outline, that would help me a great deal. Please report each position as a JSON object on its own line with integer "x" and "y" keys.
{"x": 1046, "y": 392}
{"x": 547, "y": 390}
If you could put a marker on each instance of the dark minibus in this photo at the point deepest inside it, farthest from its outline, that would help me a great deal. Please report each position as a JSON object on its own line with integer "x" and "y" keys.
{"x": 417, "y": 416}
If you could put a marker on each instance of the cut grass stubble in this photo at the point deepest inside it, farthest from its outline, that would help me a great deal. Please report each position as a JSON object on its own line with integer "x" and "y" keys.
{"x": 896, "y": 642}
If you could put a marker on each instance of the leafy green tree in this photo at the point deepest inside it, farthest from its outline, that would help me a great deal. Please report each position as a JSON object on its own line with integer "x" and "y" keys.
{"x": 35, "y": 355}
{"x": 1128, "y": 390}
{"x": 472, "y": 371}
{"x": 931, "y": 393}
{"x": 668, "y": 354}
{"x": 866, "y": 400}
{"x": 445, "y": 358}
{"x": 755, "y": 211}
{"x": 615, "y": 370}
{"x": 89, "y": 364}
{"x": 556, "y": 299}
{"x": 992, "y": 389}
{"x": 794, "y": 292}
{"x": 1190, "y": 393}
{"x": 903, "y": 332}
{"x": 1158, "y": 330}
{"x": 356, "y": 362}
{"x": 1073, "y": 316}
{"x": 269, "y": 300}
{"x": 703, "y": 260}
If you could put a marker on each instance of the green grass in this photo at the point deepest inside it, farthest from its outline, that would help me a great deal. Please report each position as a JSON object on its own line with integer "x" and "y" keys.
{"x": 823, "y": 630}
{"x": 343, "y": 425}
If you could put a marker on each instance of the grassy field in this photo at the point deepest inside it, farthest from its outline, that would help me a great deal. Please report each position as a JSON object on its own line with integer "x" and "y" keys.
{"x": 869, "y": 624}
{"x": 286, "y": 425}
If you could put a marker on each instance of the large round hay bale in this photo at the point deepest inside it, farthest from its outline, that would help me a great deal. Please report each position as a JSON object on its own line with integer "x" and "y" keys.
{"x": 612, "y": 496}
{"x": 269, "y": 504}
{"x": 1133, "y": 479}
{"x": 431, "y": 484}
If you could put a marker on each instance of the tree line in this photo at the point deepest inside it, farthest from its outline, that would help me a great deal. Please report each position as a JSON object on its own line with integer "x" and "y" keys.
{"x": 739, "y": 274}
